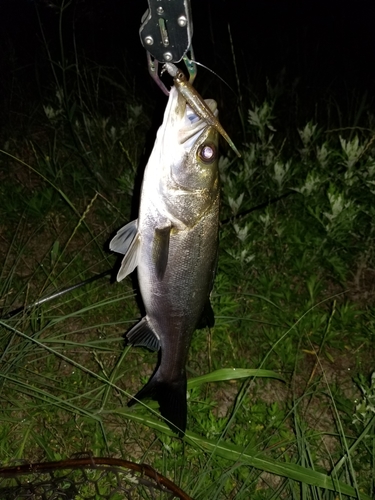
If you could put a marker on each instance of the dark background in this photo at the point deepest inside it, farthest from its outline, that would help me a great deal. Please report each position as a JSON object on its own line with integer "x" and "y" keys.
{"x": 321, "y": 45}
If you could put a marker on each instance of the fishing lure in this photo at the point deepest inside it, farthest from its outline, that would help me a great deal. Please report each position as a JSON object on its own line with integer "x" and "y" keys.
{"x": 196, "y": 102}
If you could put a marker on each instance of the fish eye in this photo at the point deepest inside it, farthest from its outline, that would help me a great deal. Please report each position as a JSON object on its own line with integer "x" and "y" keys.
{"x": 180, "y": 77}
{"x": 207, "y": 152}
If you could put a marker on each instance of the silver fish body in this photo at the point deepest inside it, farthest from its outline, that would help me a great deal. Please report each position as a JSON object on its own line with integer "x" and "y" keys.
{"x": 174, "y": 246}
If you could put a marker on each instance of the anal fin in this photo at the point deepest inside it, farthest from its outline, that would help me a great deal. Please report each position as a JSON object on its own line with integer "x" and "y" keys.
{"x": 142, "y": 335}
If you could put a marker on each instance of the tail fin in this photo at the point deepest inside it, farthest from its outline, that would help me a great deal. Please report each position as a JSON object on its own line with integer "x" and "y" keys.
{"x": 171, "y": 397}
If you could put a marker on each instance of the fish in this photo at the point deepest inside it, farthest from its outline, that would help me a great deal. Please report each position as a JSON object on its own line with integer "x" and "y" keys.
{"x": 174, "y": 246}
{"x": 196, "y": 102}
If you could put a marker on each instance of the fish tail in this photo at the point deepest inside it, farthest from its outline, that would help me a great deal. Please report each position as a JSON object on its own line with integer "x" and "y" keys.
{"x": 171, "y": 396}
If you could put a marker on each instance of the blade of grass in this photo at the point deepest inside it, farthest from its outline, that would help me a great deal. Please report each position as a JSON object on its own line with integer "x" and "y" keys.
{"x": 232, "y": 374}
{"x": 249, "y": 457}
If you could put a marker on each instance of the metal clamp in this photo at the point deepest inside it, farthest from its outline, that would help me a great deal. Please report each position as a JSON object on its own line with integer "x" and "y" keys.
{"x": 166, "y": 29}
{"x": 166, "y": 33}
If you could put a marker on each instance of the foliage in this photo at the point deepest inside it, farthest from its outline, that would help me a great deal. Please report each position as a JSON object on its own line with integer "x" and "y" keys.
{"x": 273, "y": 409}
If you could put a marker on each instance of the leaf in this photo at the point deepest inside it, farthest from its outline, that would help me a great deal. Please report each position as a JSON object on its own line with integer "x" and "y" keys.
{"x": 250, "y": 457}
{"x": 232, "y": 374}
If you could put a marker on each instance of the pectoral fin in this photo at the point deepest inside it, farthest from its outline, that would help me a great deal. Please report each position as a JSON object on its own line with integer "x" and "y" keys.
{"x": 142, "y": 335}
{"x": 160, "y": 250}
{"x": 126, "y": 242}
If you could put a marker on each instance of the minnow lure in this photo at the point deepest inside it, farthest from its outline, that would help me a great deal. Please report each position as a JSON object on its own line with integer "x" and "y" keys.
{"x": 197, "y": 103}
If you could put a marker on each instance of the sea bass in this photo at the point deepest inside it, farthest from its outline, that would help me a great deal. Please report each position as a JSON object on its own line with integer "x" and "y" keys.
{"x": 174, "y": 244}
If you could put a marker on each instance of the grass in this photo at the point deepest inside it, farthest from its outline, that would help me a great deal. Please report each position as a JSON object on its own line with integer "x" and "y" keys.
{"x": 281, "y": 399}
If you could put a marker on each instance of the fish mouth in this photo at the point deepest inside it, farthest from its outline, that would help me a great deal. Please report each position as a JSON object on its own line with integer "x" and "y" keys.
{"x": 183, "y": 121}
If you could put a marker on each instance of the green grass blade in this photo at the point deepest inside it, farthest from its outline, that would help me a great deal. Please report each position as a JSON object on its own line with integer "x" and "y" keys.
{"x": 251, "y": 458}
{"x": 225, "y": 374}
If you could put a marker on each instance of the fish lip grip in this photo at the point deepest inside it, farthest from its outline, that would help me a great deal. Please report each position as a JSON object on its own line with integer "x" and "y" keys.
{"x": 167, "y": 29}
{"x": 166, "y": 32}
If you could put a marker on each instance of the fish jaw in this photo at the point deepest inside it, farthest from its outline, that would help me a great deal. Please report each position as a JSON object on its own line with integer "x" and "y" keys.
{"x": 179, "y": 130}
{"x": 181, "y": 178}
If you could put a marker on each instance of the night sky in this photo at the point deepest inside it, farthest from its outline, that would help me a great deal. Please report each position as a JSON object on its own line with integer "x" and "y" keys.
{"x": 325, "y": 44}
